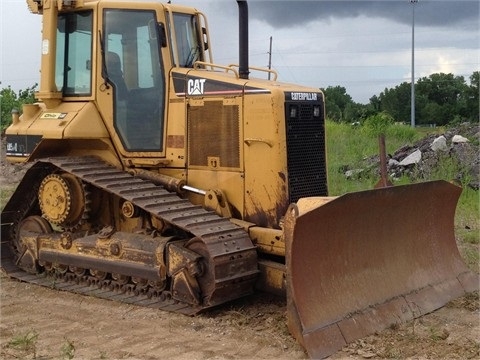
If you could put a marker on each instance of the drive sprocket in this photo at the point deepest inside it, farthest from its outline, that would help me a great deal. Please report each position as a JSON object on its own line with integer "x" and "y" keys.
{"x": 63, "y": 200}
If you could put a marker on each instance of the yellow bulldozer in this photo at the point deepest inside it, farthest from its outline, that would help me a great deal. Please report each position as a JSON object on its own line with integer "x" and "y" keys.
{"x": 163, "y": 179}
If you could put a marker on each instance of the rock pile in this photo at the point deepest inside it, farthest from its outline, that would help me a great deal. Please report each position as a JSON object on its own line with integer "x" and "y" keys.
{"x": 458, "y": 146}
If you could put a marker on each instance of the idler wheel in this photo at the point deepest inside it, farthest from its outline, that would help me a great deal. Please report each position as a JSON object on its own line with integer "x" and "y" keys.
{"x": 34, "y": 224}
{"x": 24, "y": 247}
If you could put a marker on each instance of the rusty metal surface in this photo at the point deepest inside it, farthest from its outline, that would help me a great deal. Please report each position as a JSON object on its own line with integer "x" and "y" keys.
{"x": 384, "y": 181}
{"x": 370, "y": 259}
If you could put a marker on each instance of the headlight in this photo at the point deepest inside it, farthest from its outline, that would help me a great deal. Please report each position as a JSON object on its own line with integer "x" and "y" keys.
{"x": 293, "y": 112}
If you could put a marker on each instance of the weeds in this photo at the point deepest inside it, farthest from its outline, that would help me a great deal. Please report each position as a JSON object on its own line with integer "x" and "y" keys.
{"x": 472, "y": 258}
{"x": 67, "y": 351}
{"x": 470, "y": 237}
{"x": 26, "y": 342}
{"x": 403, "y": 133}
{"x": 377, "y": 124}
{"x": 438, "y": 334}
{"x": 468, "y": 210}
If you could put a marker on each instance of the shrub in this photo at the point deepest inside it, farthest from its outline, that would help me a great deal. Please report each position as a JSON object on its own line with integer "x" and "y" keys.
{"x": 378, "y": 124}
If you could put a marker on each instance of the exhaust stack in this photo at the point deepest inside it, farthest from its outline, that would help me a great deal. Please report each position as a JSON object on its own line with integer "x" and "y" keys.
{"x": 243, "y": 38}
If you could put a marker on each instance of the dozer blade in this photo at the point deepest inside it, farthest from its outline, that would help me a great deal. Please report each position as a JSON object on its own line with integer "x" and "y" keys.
{"x": 364, "y": 261}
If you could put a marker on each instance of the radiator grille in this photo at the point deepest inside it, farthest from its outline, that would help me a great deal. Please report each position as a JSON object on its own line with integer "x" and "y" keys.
{"x": 307, "y": 173}
{"x": 213, "y": 132}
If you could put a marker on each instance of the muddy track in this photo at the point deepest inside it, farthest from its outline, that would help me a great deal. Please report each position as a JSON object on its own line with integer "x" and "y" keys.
{"x": 227, "y": 244}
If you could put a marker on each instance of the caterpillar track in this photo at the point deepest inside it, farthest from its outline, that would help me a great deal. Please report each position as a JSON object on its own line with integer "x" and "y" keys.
{"x": 159, "y": 250}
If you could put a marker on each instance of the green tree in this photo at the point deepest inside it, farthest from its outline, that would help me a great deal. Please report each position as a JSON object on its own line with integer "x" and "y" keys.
{"x": 395, "y": 101}
{"x": 375, "y": 103}
{"x": 472, "y": 100}
{"x": 10, "y": 100}
{"x": 355, "y": 112}
{"x": 439, "y": 98}
{"x": 336, "y": 101}
{"x": 445, "y": 98}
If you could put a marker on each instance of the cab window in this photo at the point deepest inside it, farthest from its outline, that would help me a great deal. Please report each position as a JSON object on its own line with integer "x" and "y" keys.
{"x": 187, "y": 39}
{"x": 134, "y": 69}
{"x": 73, "y": 69}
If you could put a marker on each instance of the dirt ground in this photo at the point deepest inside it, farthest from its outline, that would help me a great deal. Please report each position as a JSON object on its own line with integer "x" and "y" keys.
{"x": 41, "y": 323}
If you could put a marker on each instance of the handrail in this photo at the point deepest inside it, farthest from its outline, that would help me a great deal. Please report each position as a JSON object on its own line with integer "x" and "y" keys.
{"x": 232, "y": 67}
{"x": 198, "y": 64}
{"x": 275, "y": 74}
{"x": 207, "y": 34}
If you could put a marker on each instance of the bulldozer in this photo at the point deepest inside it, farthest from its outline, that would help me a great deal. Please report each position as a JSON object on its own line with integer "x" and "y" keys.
{"x": 159, "y": 178}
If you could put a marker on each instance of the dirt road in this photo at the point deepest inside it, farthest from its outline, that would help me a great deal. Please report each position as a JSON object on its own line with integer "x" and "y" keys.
{"x": 92, "y": 328}
{"x": 41, "y": 323}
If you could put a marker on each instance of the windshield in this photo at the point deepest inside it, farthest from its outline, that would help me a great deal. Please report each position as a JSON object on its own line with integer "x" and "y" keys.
{"x": 73, "y": 71}
{"x": 187, "y": 38}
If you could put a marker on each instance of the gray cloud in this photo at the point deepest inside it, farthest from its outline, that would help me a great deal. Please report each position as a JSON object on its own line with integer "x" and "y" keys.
{"x": 291, "y": 13}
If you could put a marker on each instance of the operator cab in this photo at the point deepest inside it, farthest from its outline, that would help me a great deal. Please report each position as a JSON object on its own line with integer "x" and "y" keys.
{"x": 135, "y": 60}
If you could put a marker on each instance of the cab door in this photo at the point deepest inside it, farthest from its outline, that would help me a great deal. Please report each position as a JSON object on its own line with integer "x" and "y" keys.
{"x": 133, "y": 75}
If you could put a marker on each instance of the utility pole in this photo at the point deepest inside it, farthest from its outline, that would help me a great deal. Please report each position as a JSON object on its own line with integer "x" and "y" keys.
{"x": 270, "y": 58}
{"x": 412, "y": 112}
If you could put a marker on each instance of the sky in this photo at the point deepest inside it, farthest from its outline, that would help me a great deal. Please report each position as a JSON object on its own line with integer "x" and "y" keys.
{"x": 363, "y": 46}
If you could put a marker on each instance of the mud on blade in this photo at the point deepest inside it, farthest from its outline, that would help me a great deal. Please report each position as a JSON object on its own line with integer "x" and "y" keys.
{"x": 366, "y": 260}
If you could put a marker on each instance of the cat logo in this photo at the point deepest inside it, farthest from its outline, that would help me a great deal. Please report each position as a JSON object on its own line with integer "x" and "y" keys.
{"x": 195, "y": 86}
{"x": 304, "y": 96}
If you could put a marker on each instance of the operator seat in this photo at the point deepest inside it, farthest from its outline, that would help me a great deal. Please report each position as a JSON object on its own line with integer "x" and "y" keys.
{"x": 115, "y": 75}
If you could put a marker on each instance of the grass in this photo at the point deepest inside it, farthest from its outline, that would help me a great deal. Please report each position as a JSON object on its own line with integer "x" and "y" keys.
{"x": 67, "y": 350}
{"x": 25, "y": 342}
{"x": 349, "y": 146}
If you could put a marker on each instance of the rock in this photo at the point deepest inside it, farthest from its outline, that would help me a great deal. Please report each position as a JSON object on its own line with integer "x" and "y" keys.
{"x": 355, "y": 173}
{"x": 468, "y": 155}
{"x": 456, "y": 139}
{"x": 425, "y": 144}
{"x": 465, "y": 153}
{"x": 439, "y": 144}
{"x": 402, "y": 152}
{"x": 393, "y": 162}
{"x": 366, "y": 354}
{"x": 413, "y": 158}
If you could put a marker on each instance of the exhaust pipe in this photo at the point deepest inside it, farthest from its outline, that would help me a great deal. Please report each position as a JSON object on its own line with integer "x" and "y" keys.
{"x": 243, "y": 38}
